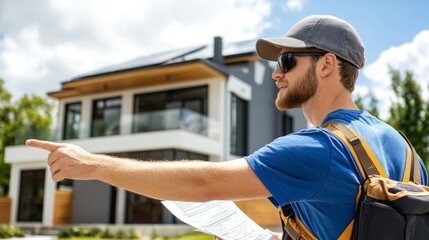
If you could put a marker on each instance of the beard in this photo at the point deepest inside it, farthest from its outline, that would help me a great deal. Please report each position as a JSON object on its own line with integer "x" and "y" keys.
{"x": 303, "y": 90}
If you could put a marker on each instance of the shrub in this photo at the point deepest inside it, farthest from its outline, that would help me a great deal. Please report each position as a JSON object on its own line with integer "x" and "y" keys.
{"x": 10, "y": 231}
{"x": 104, "y": 233}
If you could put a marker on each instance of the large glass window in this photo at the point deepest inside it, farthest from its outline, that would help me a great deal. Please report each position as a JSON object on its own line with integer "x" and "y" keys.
{"x": 141, "y": 209}
{"x": 287, "y": 124}
{"x": 72, "y": 120}
{"x": 239, "y": 118}
{"x": 31, "y": 195}
{"x": 174, "y": 109}
{"x": 106, "y": 116}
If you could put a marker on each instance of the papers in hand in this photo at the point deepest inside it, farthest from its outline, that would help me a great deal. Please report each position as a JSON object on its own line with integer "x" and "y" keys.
{"x": 220, "y": 218}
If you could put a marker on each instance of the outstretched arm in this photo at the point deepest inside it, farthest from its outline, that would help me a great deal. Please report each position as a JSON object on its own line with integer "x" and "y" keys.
{"x": 168, "y": 180}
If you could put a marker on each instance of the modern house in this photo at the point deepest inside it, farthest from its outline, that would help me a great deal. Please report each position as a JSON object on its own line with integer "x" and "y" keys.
{"x": 211, "y": 103}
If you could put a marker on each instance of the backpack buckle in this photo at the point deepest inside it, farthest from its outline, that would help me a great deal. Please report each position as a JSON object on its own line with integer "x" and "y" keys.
{"x": 354, "y": 141}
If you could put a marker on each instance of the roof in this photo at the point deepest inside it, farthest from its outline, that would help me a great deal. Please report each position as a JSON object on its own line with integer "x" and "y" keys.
{"x": 162, "y": 68}
{"x": 176, "y": 56}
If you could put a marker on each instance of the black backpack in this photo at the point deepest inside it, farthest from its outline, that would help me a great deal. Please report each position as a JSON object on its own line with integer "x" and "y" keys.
{"x": 385, "y": 209}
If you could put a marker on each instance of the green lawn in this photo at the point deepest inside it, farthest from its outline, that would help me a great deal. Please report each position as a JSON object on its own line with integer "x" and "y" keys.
{"x": 191, "y": 236}
{"x": 78, "y": 233}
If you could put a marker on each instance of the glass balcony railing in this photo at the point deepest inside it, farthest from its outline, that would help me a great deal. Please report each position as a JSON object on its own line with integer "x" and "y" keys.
{"x": 24, "y": 133}
{"x": 172, "y": 119}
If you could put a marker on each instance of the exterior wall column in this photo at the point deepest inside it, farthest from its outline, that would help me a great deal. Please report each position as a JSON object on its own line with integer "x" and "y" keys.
{"x": 126, "y": 113}
{"x": 48, "y": 199}
{"x": 14, "y": 192}
{"x": 120, "y": 206}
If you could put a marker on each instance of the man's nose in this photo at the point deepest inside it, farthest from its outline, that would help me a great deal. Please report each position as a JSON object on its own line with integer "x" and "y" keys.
{"x": 277, "y": 74}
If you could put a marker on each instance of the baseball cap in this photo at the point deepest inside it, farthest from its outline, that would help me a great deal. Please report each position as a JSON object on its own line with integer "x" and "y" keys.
{"x": 324, "y": 32}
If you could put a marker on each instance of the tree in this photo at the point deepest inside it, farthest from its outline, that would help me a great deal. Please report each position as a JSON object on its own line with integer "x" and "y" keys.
{"x": 368, "y": 103}
{"x": 5, "y": 112}
{"x": 30, "y": 116}
{"x": 409, "y": 112}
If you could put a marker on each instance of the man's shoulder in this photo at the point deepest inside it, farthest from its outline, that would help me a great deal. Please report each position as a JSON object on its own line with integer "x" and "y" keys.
{"x": 305, "y": 135}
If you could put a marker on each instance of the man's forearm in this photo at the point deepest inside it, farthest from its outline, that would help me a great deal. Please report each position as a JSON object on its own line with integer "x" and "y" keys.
{"x": 167, "y": 180}
{"x": 170, "y": 180}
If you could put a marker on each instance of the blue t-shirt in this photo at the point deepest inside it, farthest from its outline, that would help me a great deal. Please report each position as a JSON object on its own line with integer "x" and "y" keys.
{"x": 315, "y": 171}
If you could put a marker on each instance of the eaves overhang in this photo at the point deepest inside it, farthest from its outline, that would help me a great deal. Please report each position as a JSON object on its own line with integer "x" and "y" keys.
{"x": 141, "y": 77}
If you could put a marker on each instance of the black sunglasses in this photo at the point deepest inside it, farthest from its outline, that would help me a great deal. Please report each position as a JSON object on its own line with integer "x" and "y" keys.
{"x": 286, "y": 60}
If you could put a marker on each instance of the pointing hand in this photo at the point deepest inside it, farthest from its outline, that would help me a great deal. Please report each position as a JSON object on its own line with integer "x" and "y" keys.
{"x": 66, "y": 160}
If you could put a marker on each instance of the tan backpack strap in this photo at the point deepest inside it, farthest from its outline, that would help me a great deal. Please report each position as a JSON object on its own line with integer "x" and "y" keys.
{"x": 286, "y": 215}
{"x": 369, "y": 162}
{"x": 293, "y": 226}
{"x": 414, "y": 162}
{"x": 356, "y": 143}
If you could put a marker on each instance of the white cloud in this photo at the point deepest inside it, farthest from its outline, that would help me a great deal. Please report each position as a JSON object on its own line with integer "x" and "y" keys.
{"x": 412, "y": 56}
{"x": 294, "y": 5}
{"x": 361, "y": 90}
{"x": 58, "y": 40}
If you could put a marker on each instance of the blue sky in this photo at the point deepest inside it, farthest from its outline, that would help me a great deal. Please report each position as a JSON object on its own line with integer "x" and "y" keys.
{"x": 381, "y": 24}
{"x": 46, "y": 42}
{"x": 388, "y": 29}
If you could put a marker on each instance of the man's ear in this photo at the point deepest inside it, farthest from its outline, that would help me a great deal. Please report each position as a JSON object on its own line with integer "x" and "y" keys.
{"x": 329, "y": 62}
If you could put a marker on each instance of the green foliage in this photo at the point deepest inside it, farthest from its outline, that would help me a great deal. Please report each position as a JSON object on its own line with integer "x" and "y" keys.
{"x": 94, "y": 232}
{"x": 192, "y": 236}
{"x": 10, "y": 231}
{"x": 368, "y": 103}
{"x": 32, "y": 119}
{"x": 106, "y": 233}
{"x": 29, "y": 116}
{"x": 409, "y": 112}
{"x": 77, "y": 233}
{"x": 97, "y": 233}
{"x": 4, "y": 177}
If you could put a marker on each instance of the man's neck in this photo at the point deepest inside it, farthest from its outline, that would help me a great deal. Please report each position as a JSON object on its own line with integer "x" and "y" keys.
{"x": 317, "y": 108}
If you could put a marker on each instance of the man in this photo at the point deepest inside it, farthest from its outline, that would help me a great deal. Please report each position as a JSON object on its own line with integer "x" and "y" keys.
{"x": 313, "y": 170}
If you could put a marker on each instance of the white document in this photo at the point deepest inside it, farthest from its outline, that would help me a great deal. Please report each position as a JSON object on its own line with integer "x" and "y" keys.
{"x": 220, "y": 218}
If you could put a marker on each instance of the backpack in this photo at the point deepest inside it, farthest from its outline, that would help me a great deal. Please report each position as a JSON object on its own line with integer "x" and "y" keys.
{"x": 385, "y": 208}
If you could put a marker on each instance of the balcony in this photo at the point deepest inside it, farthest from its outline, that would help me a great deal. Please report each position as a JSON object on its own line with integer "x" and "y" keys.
{"x": 166, "y": 120}
{"x": 170, "y": 129}
{"x": 184, "y": 119}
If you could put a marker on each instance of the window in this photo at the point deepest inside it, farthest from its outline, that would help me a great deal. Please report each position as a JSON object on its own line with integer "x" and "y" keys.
{"x": 72, "y": 120}
{"x": 239, "y": 118}
{"x": 287, "y": 124}
{"x": 141, "y": 209}
{"x": 106, "y": 117}
{"x": 31, "y": 195}
{"x": 174, "y": 109}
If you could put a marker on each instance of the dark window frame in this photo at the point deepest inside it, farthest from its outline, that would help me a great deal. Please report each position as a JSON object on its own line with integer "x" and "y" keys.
{"x": 106, "y": 107}
{"x": 149, "y": 215}
{"x": 35, "y": 199}
{"x": 169, "y": 99}
{"x": 287, "y": 124}
{"x": 66, "y": 124}
{"x": 239, "y": 121}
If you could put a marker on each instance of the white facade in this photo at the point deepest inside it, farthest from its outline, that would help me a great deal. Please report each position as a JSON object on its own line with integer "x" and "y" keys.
{"x": 252, "y": 84}
{"x": 215, "y": 144}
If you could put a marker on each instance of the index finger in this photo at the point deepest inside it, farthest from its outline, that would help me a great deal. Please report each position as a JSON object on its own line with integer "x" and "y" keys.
{"x": 45, "y": 145}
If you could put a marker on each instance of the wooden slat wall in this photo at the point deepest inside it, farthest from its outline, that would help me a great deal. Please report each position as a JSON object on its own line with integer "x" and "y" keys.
{"x": 63, "y": 207}
{"x": 261, "y": 211}
{"x": 5, "y": 207}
